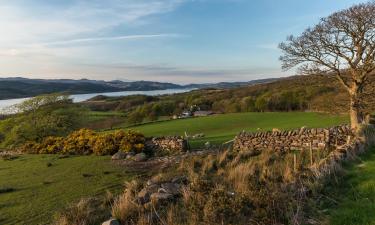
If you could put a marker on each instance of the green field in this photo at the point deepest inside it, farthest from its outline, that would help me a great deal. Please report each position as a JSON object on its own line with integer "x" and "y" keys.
{"x": 221, "y": 128}
{"x": 354, "y": 202}
{"x": 40, "y": 191}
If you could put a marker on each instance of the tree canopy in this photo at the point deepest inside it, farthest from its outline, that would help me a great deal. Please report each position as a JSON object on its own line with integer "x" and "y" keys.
{"x": 342, "y": 44}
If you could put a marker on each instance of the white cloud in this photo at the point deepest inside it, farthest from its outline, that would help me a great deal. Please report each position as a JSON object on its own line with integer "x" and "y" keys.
{"x": 26, "y": 24}
{"x": 46, "y": 37}
{"x": 113, "y": 38}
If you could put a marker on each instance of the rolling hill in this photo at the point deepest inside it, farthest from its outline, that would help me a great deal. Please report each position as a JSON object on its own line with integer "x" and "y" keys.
{"x": 19, "y": 87}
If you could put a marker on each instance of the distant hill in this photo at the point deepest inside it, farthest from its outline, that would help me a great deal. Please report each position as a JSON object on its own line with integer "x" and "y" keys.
{"x": 19, "y": 87}
{"x": 232, "y": 84}
{"x": 319, "y": 93}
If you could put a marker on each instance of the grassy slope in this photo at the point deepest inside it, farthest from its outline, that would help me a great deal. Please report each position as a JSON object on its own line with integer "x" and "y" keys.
{"x": 221, "y": 128}
{"x": 34, "y": 200}
{"x": 40, "y": 191}
{"x": 355, "y": 194}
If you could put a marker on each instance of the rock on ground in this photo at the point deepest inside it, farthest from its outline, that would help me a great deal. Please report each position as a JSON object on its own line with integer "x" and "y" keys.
{"x": 141, "y": 157}
{"x": 119, "y": 155}
{"x": 111, "y": 222}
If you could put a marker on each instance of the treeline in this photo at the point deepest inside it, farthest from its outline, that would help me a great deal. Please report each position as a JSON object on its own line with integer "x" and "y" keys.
{"x": 298, "y": 93}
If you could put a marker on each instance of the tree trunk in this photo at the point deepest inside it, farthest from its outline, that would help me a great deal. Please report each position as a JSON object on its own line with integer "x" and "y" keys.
{"x": 355, "y": 113}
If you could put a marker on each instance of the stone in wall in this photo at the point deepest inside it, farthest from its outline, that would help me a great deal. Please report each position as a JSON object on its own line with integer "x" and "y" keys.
{"x": 170, "y": 144}
{"x": 315, "y": 138}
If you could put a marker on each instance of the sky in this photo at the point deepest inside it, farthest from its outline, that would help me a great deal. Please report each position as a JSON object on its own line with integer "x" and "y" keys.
{"x": 180, "y": 41}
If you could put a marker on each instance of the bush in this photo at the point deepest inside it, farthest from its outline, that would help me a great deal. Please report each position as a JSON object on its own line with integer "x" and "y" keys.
{"x": 51, "y": 145}
{"x": 104, "y": 144}
{"x": 78, "y": 142}
{"x": 130, "y": 141}
{"x": 85, "y": 142}
{"x": 30, "y": 147}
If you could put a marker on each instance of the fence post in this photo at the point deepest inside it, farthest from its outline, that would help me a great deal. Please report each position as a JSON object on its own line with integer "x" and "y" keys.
{"x": 311, "y": 155}
{"x": 187, "y": 141}
{"x": 294, "y": 162}
{"x": 348, "y": 140}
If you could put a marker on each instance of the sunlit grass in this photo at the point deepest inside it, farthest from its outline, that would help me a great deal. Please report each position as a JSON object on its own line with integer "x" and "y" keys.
{"x": 355, "y": 194}
{"x": 222, "y": 128}
{"x": 41, "y": 189}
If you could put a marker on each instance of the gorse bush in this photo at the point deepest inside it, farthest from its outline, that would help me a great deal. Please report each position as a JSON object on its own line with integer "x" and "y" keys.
{"x": 79, "y": 142}
{"x": 104, "y": 144}
{"x": 86, "y": 142}
{"x": 130, "y": 141}
{"x": 51, "y": 145}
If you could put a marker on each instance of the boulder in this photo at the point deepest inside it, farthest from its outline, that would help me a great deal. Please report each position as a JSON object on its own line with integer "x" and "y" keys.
{"x": 119, "y": 156}
{"x": 140, "y": 157}
{"x": 170, "y": 188}
{"x": 144, "y": 195}
{"x": 130, "y": 155}
{"x": 157, "y": 198}
{"x": 111, "y": 222}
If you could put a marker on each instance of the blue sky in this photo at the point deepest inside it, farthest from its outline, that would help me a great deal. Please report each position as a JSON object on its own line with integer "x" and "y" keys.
{"x": 181, "y": 41}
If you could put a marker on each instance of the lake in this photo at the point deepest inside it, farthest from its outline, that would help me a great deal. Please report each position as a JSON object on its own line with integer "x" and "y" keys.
{"x": 83, "y": 97}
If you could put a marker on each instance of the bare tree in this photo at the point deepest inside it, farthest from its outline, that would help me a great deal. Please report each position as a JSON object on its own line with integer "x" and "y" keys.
{"x": 342, "y": 44}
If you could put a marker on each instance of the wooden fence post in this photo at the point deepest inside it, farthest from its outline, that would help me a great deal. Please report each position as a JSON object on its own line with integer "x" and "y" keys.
{"x": 295, "y": 162}
{"x": 311, "y": 155}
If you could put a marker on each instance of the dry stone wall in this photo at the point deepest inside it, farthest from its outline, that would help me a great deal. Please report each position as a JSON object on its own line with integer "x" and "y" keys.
{"x": 316, "y": 138}
{"x": 168, "y": 144}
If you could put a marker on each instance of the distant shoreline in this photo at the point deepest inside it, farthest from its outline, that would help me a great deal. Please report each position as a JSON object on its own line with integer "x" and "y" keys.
{"x": 5, "y": 103}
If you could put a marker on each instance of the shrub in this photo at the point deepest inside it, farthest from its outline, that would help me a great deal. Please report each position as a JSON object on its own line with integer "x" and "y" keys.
{"x": 85, "y": 142}
{"x": 104, "y": 144}
{"x": 30, "y": 147}
{"x": 51, "y": 145}
{"x": 78, "y": 142}
{"x": 131, "y": 141}
{"x": 224, "y": 208}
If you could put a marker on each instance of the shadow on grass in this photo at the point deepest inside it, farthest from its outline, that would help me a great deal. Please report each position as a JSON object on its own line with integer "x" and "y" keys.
{"x": 4, "y": 190}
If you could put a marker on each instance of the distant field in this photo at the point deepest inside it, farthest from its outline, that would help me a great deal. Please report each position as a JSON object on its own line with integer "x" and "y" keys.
{"x": 40, "y": 191}
{"x": 221, "y": 128}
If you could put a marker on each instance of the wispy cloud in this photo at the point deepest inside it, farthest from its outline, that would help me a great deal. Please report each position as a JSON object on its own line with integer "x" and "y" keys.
{"x": 45, "y": 37}
{"x": 113, "y": 38}
{"x": 22, "y": 22}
